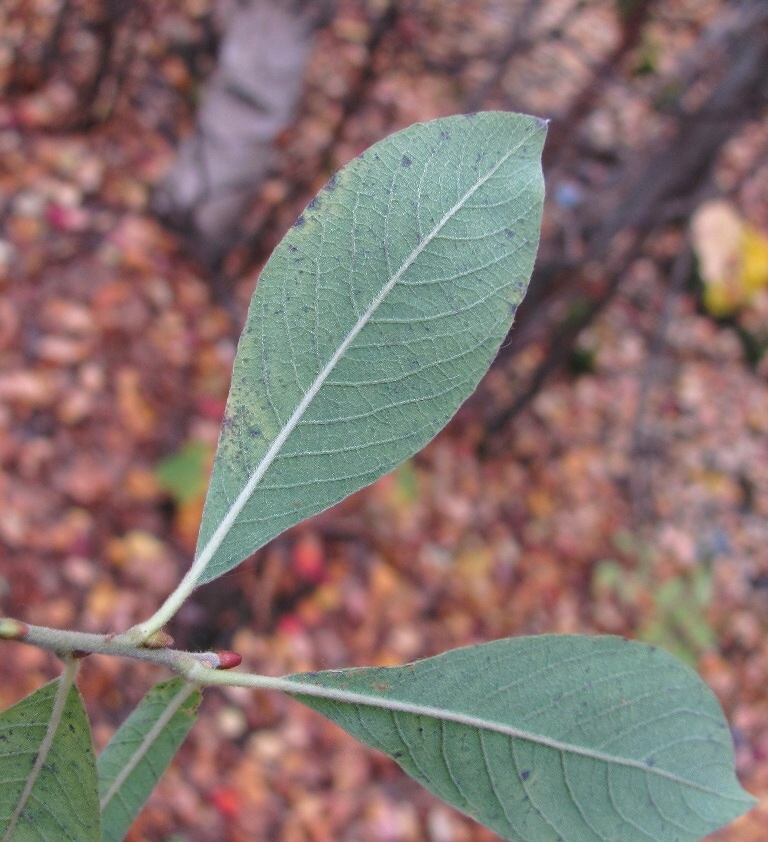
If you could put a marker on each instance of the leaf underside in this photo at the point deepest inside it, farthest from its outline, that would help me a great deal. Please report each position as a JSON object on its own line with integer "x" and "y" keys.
{"x": 62, "y": 804}
{"x": 143, "y": 746}
{"x": 552, "y": 738}
{"x": 374, "y": 319}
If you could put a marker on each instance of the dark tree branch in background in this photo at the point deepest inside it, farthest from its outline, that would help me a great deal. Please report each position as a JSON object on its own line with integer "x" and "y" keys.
{"x": 96, "y": 99}
{"x": 645, "y": 445}
{"x": 674, "y": 176}
{"x": 520, "y": 41}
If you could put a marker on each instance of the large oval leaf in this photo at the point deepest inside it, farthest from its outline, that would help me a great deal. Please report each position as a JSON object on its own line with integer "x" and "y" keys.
{"x": 373, "y": 320}
{"x": 47, "y": 768}
{"x": 551, "y": 738}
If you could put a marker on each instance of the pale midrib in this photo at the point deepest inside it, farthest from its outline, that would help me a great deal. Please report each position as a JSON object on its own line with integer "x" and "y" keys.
{"x": 296, "y": 687}
{"x": 146, "y": 744}
{"x": 190, "y": 580}
{"x": 57, "y": 711}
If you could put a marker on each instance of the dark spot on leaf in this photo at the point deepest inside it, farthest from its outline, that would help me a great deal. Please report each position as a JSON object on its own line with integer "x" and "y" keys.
{"x": 444, "y": 135}
{"x": 405, "y": 161}
{"x": 299, "y": 222}
{"x": 509, "y": 234}
{"x": 292, "y": 248}
{"x": 333, "y": 182}
{"x": 651, "y": 761}
{"x": 525, "y": 774}
{"x": 313, "y": 204}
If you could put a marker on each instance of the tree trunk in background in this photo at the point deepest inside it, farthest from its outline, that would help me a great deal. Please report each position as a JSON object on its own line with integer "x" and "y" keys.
{"x": 248, "y": 100}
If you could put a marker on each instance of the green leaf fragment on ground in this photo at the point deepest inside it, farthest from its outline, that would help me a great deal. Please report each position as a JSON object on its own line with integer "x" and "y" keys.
{"x": 184, "y": 474}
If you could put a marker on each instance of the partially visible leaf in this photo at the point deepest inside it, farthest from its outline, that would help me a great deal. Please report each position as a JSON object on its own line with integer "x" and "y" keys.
{"x": 553, "y": 738}
{"x": 47, "y": 769}
{"x": 140, "y": 751}
{"x": 732, "y": 256}
{"x": 184, "y": 474}
{"x": 375, "y": 317}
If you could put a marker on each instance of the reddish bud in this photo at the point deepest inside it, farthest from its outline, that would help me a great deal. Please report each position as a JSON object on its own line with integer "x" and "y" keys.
{"x": 13, "y": 629}
{"x": 229, "y": 660}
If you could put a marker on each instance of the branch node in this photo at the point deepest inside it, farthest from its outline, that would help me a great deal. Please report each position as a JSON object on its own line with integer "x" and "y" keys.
{"x": 158, "y": 640}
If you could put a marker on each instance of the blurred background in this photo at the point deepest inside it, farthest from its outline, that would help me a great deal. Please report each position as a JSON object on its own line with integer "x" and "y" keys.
{"x": 609, "y": 476}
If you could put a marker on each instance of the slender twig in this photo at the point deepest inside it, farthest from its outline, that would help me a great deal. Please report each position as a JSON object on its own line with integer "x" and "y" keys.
{"x": 67, "y": 644}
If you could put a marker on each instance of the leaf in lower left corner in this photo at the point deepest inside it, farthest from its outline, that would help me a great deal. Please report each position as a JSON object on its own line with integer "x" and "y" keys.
{"x": 58, "y": 799}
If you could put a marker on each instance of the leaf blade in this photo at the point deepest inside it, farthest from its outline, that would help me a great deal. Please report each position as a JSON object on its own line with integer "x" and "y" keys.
{"x": 552, "y": 738}
{"x": 57, "y": 797}
{"x": 140, "y": 751}
{"x": 374, "y": 319}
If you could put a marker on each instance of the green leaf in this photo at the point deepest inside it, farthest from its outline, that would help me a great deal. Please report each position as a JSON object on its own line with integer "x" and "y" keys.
{"x": 184, "y": 474}
{"x": 140, "y": 751}
{"x": 551, "y": 738}
{"x": 47, "y": 769}
{"x": 373, "y": 320}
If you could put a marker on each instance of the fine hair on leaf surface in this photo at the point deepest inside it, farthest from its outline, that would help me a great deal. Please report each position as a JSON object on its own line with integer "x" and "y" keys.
{"x": 374, "y": 319}
{"x": 552, "y": 737}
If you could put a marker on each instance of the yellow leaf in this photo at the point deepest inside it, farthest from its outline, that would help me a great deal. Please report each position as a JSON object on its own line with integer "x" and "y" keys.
{"x": 754, "y": 260}
{"x": 732, "y": 256}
